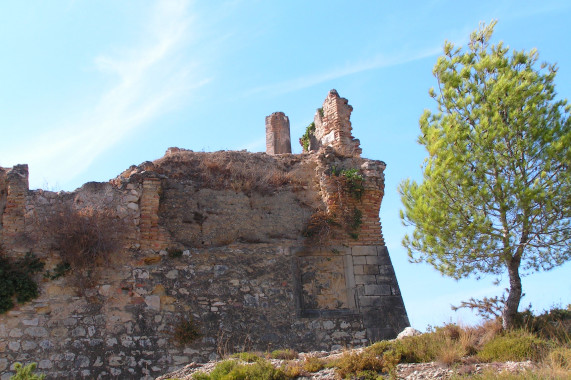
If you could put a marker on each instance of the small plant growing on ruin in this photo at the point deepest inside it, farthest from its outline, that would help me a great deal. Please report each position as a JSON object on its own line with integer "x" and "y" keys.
{"x": 354, "y": 182}
{"x": 16, "y": 281}
{"x": 186, "y": 331}
{"x": 306, "y": 138}
{"x": 26, "y": 372}
{"x": 174, "y": 253}
{"x": 59, "y": 271}
{"x": 320, "y": 110}
{"x": 319, "y": 228}
{"x": 356, "y": 219}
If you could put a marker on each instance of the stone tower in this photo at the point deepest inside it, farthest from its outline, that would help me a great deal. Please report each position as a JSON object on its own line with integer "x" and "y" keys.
{"x": 278, "y": 140}
{"x": 333, "y": 127}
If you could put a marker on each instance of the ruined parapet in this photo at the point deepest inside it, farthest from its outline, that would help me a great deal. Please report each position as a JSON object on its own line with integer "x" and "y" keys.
{"x": 278, "y": 139}
{"x": 13, "y": 191}
{"x": 153, "y": 236}
{"x": 333, "y": 127}
{"x": 352, "y": 190}
{"x": 374, "y": 190}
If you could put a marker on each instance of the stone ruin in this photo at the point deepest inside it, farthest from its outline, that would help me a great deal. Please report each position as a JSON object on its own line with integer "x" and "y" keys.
{"x": 259, "y": 251}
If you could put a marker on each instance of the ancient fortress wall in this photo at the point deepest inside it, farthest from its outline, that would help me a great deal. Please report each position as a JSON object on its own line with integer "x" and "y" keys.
{"x": 257, "y": 251}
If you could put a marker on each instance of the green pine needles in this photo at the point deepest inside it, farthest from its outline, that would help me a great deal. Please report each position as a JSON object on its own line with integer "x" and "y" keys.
{"x": 495, "y": 195}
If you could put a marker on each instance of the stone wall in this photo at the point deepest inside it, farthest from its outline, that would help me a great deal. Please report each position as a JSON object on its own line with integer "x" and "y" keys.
{"x": 218, "y": 239}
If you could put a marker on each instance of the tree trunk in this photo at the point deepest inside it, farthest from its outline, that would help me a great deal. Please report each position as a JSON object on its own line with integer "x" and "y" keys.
{"x": 514, "y": 296}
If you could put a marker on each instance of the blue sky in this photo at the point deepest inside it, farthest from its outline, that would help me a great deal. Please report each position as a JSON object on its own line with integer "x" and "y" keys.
{"x": 89, "y": 88}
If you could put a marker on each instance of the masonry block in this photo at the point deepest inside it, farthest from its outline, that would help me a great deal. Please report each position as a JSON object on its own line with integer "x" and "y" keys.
{"x": 378, "y": 290}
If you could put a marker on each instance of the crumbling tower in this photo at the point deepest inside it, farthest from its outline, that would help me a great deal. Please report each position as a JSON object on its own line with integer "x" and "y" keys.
{"x": 13, "y": 191}
{"x": 278, "y": 139}
{"x": 333, "y": 127}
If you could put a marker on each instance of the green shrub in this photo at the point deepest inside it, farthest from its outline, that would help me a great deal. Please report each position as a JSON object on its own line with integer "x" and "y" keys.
{"x": 248, "y": 357}
{"x": 59, "y": 271}
{"x": 306, "y": 138}
{"x": 313, "y": 364}
{"x": 26, "y": 372}
{"x": 260, "y": 370}
{"x": 16, "y": 280}
{"x": 354, "y": 182}
{"x": 351, "y": 363}
{"x": 174, "y": 253}
{"x": 222, "y": 369}
{"x": 232, "y": 370}
{"x": 554, "y": 324}
{"x": 515, "y": 345}
{"x": 287, "y": 354}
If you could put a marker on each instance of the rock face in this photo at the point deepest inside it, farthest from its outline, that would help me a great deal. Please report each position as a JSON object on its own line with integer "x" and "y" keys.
{"x": 243, "y": 251}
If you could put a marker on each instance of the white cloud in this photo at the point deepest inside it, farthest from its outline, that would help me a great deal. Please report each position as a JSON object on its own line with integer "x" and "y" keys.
{"x": 377, "y": 62}
{"x": 149, "y": 80}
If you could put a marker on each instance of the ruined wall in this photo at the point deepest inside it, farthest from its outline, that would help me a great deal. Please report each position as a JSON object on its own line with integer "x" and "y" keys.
{"x": 219, "y": 237}
{"x": 13, "y": 203}
{"x": 278, "y": 139}
{"x": 333, "y": 127}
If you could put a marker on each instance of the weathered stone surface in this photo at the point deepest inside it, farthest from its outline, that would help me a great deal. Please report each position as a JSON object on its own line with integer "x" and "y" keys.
{"x": 213, "y": 242}
{"x": 278, "y": 139}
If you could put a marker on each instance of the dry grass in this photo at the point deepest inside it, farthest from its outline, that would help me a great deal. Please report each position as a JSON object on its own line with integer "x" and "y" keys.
{"x": 228, "y": 170}
{"x": 320, "y": 229}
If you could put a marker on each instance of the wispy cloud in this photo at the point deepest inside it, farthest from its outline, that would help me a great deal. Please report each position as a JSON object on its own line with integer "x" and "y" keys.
{"x": 148, "y": 80}
{"x": 380, "y": 61}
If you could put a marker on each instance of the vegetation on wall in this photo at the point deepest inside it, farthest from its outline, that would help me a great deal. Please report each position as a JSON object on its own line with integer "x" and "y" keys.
{"x": 353, "y": 183}
{"x": 238, "y": 171}
{"x": 319, "y": 228}
{"x": 84, "y": 237}
{"x": 322, "y": 225}
{"x": 185, "y": 331}
{"x": 26, "y": 372}
{"x": 306, "y": 138}
{"x": 17, "y": 284}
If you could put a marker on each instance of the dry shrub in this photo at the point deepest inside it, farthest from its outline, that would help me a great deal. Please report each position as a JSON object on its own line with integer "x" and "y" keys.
{"x": 86, "y": 237}
{"x": 319, "y": 230}
{"x": 185, "y": 331}
{"x": 559, "y": 358}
